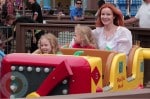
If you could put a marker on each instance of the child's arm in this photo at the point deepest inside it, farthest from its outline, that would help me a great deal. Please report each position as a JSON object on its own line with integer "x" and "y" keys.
{"x": 71, "y": 43}
{"x": 37, "y": 51}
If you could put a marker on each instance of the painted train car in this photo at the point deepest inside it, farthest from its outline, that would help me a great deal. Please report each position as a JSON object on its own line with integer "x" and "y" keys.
{"x": 76, "y": 71}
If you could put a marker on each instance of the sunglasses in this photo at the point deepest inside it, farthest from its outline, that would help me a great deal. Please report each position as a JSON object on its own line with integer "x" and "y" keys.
{"x": 78, "y": 3}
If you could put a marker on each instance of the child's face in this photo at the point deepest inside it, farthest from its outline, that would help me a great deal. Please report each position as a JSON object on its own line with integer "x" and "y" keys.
{"x": 10, "y": 22}
{"x": 77, "y": 38}
{"x": 45, "y": 46}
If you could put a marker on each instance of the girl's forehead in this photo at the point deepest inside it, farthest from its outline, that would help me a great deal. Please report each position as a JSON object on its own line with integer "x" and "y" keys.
{"x": 44, "y": 40}
{"x": 78, "y": 33}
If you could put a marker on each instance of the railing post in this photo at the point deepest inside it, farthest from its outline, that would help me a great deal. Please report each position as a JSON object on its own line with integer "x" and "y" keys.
{"x": 20, "y": 40}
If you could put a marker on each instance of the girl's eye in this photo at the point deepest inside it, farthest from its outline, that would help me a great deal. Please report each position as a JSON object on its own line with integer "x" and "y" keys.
{"x": 108, "y": 14}
{"x": 74, "y": 35}
{"x": 102, "y": 14}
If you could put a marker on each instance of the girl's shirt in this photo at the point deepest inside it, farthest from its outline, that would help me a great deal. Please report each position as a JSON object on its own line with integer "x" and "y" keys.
{"x": 120, "y": 41}
{"x": 79, "y": 46}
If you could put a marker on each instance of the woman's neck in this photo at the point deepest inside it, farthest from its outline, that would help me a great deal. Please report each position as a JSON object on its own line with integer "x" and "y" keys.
{"x": 109, "y": 30}
{"x": 109, "y": 27}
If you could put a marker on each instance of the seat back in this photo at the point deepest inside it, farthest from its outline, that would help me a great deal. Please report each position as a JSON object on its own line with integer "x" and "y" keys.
{"x": 107, "y": 69}
{"x": 106, "y": 56}
{"x": 130, "y": 60}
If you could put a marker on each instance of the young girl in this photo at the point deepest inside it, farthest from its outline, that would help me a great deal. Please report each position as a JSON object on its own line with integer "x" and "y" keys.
{"x": 83, "y": 37}
{"x": 47, "y": 44}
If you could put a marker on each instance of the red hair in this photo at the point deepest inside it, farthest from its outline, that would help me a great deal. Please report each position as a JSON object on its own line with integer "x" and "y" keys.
{"x": 118, "y": 20}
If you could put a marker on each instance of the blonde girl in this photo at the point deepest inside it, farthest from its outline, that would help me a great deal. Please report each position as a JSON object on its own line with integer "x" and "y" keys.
{"x": 83, "y": 37}
{"x": 47, "y": 44}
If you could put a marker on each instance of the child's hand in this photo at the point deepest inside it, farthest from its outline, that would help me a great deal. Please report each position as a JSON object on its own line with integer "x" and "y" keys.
{"x": 65, "y": 46}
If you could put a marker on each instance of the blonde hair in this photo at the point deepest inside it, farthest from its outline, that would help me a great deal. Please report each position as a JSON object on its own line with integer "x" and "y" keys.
{"x": 86, "y": 35}
{"x": 53, "y": 42}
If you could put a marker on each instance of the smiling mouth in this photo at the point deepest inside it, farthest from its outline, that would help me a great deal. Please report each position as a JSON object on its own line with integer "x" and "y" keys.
{"x": 105, "y": 19}
{"x": 45, "y": 51}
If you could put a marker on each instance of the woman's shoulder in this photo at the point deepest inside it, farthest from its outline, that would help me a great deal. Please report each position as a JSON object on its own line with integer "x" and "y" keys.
{"x": 123, "y": 29}
{"x": 97, "y": 30}
{"x": 124, "y": 32}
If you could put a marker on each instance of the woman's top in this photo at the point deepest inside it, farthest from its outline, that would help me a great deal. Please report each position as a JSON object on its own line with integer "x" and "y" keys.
{"x": 120, "y": 40}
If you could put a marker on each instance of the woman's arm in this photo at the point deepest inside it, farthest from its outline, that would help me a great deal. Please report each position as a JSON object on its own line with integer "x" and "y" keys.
{"x": 124, "y": 42}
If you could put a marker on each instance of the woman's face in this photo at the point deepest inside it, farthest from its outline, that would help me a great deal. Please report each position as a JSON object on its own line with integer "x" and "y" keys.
{"x": 45, "y": 46}
{"x": 107, "y": 16}
{"x": 11, "y": 21}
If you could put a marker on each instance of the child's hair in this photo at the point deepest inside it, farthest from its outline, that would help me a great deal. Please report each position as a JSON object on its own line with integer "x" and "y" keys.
{"x": 10, "y": 17}
{"x": 53, "y": 42}
{"x": 86, "y": 34}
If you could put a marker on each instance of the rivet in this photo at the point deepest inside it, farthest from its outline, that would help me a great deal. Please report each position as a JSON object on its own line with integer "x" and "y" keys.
{"x": 29, "y": 69}
{"x": 20, "y": 68}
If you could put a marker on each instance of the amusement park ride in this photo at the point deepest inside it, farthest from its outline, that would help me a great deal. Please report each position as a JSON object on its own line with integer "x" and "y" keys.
{"x": 76, "y": 71}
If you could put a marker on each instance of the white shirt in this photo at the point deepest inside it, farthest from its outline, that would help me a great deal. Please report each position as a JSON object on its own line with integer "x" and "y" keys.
{"x": 143, "y": 15}
{"x": 120, "y": 41}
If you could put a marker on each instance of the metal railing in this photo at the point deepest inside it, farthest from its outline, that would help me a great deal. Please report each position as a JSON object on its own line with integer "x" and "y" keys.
{"x": 7, "y": 38}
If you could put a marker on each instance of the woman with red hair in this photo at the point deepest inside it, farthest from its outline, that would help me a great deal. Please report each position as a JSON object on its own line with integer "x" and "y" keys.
{"x": 110, "y": 33}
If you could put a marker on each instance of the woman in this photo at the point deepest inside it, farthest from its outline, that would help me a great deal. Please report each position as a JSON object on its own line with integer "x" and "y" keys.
{"x": 110, "y": 33}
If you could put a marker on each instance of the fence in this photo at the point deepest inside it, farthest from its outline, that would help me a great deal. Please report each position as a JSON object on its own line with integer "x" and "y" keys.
{"x": 67, "y": 17}
{"x": 66, "y": 31}
{"x": 63, "y": 31}
{"x": 6, "y": 36}
{"x": 69, "y": 22}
